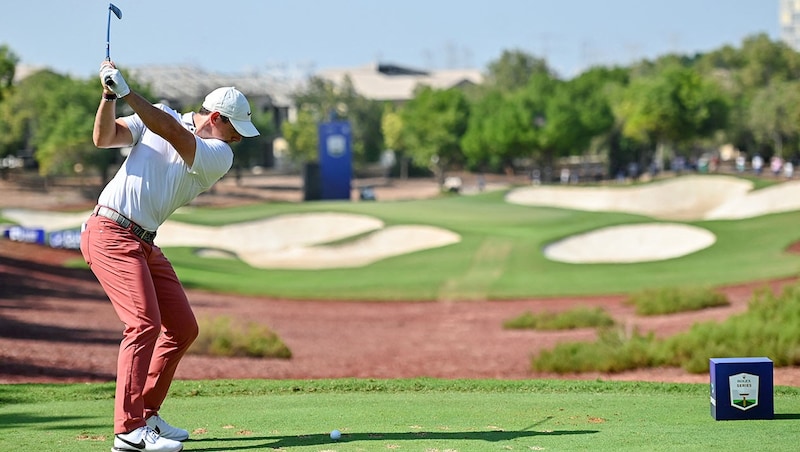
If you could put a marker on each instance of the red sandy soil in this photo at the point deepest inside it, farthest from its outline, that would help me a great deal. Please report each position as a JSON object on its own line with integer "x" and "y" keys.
{"x": 56, "y": 325}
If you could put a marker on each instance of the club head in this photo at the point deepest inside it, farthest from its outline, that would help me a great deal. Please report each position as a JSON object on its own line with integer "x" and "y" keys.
{"x": 117, "y": 12}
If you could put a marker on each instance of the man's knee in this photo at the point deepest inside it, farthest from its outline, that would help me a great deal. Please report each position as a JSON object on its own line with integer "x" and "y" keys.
{"x": 186, "y": 333}
{"x": 192, "y": 331}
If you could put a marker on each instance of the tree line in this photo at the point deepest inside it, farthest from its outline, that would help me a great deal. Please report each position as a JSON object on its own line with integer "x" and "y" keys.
{"x": 524, "y": 115}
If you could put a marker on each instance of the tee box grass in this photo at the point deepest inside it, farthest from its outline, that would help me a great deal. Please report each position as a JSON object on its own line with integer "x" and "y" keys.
{"x": 413, "y": 414}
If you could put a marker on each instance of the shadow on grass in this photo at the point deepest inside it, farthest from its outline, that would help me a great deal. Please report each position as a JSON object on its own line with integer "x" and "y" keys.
{"x": 787, "y": 416}
{"x": 25, "y": 278}
{"x": 28, "y": 287}
{"x": 27, "y": 420}
{"x": 279, "y": 442}
{"x": 18, "y": 329}
{"x": 10, "y": 367}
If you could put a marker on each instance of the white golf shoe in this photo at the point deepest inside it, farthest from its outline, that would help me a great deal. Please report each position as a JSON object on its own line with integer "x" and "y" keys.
{"x": 144, "y": 439}
{"x": 165, "y": 430}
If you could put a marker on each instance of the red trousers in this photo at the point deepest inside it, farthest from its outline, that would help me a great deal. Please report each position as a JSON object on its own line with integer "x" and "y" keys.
{"x": 151, "y": 303}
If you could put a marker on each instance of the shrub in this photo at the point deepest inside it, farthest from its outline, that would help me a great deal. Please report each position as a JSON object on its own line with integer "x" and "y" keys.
{"x": 614, "y": 351}
{"x": 770, "y": 327}
{"x": 223, "y": 337}
{"x": 671, "y": 300}
{"x": 580, "y": 317}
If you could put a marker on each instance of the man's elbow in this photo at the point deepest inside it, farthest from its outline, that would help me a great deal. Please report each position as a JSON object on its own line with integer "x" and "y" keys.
{"x": 98, "y": 142}
{"x": 102, "y": 142}
{"x": 105, "y": 139}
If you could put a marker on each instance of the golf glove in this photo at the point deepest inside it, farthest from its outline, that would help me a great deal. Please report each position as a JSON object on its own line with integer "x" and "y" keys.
{"x": 113, "y": 80}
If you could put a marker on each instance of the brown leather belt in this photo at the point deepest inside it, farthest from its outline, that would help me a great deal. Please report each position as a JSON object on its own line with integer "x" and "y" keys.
{"x": 111, "y": 214}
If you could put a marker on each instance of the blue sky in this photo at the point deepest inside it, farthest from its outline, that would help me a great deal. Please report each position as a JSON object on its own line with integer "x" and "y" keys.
{"x": 302, "y": 35}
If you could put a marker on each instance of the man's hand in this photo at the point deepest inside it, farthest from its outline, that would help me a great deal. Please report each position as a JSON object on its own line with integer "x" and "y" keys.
{"x": 117, "y": 83}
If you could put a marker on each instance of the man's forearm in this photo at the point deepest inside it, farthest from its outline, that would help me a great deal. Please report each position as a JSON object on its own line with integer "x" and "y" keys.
{"x": 164, "y": 125}
{"x": 105, "y": 127}
{"x": 158, "y": 121}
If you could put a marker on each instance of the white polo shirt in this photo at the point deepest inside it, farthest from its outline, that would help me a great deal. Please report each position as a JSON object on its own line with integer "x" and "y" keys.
{"x": 154, "y": 180}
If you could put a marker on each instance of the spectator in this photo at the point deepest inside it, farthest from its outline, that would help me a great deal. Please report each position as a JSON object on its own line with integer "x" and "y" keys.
{"x": 740, "y": 163}
{"x": 565, "y": 175}
{"x": 775, "y": 165}
{"x": 758, "y": 164}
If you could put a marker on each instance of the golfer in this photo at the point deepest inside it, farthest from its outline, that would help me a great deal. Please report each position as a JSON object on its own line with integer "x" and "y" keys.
{"x": 174, "y": 157}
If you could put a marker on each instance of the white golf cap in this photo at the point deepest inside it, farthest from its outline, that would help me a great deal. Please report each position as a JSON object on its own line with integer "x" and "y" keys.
{"x": 232, "y": 104}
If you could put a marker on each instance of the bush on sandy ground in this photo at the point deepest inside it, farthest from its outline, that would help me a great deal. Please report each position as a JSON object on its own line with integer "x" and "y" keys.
{"x": 580, "y": 317}
{"x": 221, "y": 336}
{"x": 675, "y": 299}
{"x": 614, "y": 351}
{"x": 770, "y": 327}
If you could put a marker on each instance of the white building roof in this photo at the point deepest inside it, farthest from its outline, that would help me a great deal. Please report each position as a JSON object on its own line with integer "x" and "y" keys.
{"x": 395, "y": 83}
{"x": 191, "y": 84}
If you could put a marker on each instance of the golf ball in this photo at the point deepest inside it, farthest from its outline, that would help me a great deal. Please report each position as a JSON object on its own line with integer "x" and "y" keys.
{"x": 336, "y": 434}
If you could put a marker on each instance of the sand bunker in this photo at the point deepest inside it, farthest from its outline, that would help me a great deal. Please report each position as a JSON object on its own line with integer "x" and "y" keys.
{"x": 288, "y": 241}
{"x": 388, "y": 242}
{"x": 686, "y": 198}
{"x": 683, "y": 198}
{"x": 784, "y": 197}
{"x": 631, "y": 243}
{"x": 49, "y": 221}
{"x": 298, "y": 241}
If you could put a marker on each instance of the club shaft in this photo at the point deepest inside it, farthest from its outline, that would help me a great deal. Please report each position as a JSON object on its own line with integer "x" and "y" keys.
{"x": 108, "y": 36}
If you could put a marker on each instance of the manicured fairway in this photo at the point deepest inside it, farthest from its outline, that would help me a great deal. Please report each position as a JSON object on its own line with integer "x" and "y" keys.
{"x": 499, "y": 256}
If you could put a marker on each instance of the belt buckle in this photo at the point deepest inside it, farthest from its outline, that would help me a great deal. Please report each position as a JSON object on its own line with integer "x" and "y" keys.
{"x": 144, "y": 234}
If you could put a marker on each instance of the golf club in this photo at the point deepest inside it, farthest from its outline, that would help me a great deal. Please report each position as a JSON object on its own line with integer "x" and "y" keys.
{"x": 117, "y": 12}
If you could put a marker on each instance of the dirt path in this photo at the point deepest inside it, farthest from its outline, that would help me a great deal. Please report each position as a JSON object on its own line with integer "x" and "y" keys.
{"x": 57, "y": 326}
